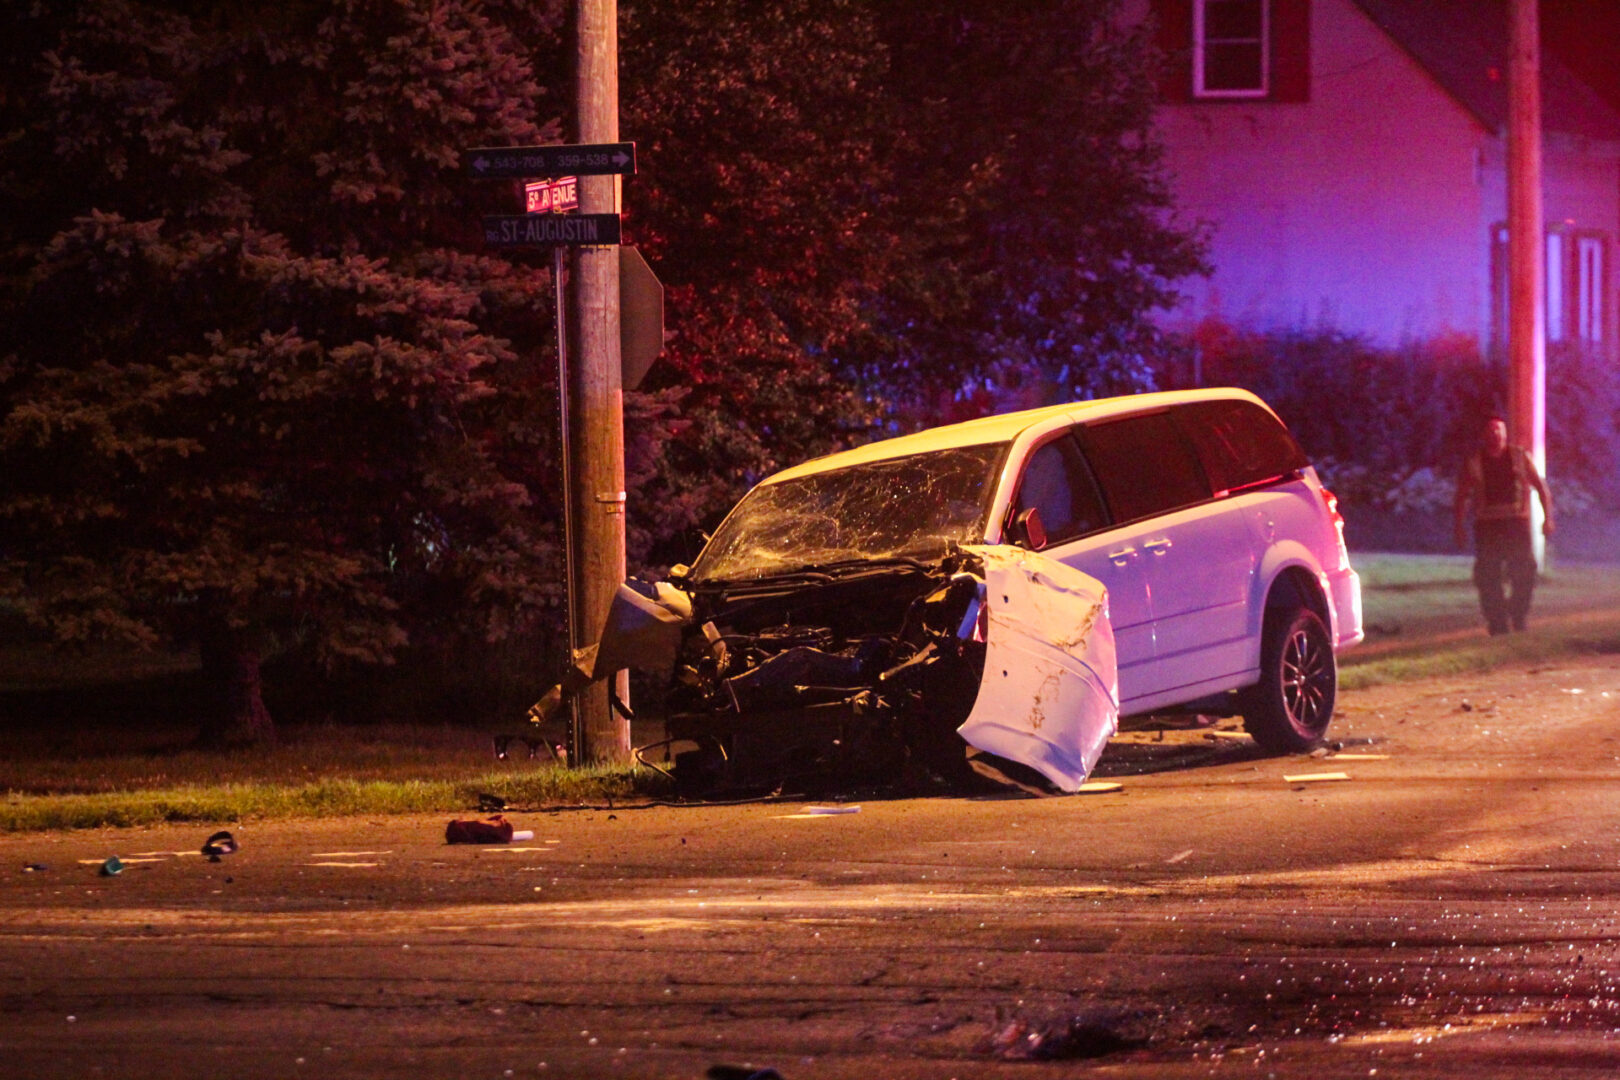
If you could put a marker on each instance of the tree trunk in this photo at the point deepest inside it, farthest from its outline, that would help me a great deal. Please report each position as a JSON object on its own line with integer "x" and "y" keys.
{"x": 234, "y": 711}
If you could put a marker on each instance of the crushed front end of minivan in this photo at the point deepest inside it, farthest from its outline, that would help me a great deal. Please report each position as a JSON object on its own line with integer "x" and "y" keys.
{"x": 848, "y": 625}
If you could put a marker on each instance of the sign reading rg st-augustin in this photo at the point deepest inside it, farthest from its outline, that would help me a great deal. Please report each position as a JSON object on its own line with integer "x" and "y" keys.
{"x": 586, "y": 159}
{"x": 551, "y": 230}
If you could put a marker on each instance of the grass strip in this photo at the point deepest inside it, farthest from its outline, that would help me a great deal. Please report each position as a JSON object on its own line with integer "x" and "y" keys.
{"x": 227, "y": 803}
{"x": 1548, "y": 641}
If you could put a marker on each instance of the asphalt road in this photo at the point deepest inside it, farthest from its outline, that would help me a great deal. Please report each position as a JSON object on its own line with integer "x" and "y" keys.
{"x": 1449, "y": 910}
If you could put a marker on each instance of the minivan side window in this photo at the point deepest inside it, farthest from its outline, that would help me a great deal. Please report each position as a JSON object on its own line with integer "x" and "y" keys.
{"x": 1240, "y": 444}
{"x": 1143, "y": 465}
{"x": 1058, "y": 483}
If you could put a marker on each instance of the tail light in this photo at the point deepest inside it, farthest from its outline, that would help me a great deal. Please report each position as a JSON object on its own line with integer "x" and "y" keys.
{"x": 1332, "y": 502}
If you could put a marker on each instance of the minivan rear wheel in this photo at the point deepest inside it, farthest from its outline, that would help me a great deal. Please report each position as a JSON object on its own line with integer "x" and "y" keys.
{"x": 1288, "y": 710}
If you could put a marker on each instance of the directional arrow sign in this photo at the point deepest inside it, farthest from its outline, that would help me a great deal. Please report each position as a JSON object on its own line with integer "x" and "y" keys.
{"x": 593, "y": 159}
{"x": 551, "y": 230}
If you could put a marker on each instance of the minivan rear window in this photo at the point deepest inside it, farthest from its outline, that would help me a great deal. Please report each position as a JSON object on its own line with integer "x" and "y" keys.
{"x": 1240, "y": 444}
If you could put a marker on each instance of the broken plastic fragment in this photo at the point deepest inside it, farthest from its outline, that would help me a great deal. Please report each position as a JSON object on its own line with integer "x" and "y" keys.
{"x": 1309, "y": 778}
{"x": 642, "y": 631}
{"x": 221, "y": 843}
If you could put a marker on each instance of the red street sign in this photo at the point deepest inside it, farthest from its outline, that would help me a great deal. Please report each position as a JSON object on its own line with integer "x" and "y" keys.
{"x": 551, "y": 196}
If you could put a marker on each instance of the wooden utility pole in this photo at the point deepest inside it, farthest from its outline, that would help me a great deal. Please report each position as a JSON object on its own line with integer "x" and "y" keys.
{"x": 1527, "y": 259}
{"x": 598, "y": 396}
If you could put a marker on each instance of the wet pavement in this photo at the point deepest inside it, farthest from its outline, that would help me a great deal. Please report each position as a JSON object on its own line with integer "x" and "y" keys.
{"x": 1449, "y": 909}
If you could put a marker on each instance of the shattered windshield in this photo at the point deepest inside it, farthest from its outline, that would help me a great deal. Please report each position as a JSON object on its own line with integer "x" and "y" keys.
{"x": 912, "y": 507}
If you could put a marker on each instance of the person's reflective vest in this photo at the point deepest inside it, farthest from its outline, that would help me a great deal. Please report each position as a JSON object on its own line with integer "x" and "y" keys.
{"x": 1521, "y": 467}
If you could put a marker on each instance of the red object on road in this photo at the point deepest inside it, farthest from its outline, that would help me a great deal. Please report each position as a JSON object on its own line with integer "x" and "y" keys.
{"x": 497, "y": 830}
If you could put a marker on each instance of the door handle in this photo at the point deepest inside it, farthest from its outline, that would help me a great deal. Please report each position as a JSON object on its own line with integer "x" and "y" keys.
{"x": 1121, "y": 555}
{"x": 1159, "y": 546}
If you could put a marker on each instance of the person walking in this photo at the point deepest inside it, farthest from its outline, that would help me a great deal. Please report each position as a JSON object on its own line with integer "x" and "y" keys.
{"x": 1496, "y": 482}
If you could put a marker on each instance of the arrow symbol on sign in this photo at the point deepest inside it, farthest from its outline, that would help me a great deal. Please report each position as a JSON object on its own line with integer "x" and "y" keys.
{"x": 480, "y": 164}
{"x": 620, "y": 158}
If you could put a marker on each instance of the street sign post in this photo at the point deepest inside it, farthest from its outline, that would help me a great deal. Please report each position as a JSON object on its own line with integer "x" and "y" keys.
{"x": 593, "y": 482}
{"x": 551, "y": 230}
{"x": 522, "y": 162}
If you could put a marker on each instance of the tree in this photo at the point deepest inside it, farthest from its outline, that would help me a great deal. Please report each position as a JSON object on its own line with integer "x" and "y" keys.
{"x": 1041, "y": 231}
{"x": 761, "y": 200}
{"x": 253, "y": 389}
{"x": 861, "y": 208}
{"x": 257, "y": 387}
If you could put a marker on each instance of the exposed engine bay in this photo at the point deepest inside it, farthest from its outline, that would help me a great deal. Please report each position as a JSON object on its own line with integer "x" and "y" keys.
{"x": 861, "y": 676}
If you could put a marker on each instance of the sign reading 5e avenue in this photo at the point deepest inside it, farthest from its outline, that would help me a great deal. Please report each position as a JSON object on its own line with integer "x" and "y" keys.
{"x": 518, "y": 162}
{"x": 551, "y": 230}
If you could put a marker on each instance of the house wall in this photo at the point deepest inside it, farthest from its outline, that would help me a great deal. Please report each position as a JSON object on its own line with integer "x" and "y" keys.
{"x": 1368, "y": 208}
{"x": 1362, "y": 209}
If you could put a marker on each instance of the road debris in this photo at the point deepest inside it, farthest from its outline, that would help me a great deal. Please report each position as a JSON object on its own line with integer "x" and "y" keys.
{"x": 34, "y": 868}
{"x": 221, "y": 843}
{"x": 833, "y": 809}
{"x": 1315, "y": 777}
{"x": 112, "y": 866}
{"x": 1066, "y": 1038}
{"x": 1099, "y": 787}
{"x": 510, "y": 850}
{"x": 741, "y": 1072}
{"x": 496, "y": 830}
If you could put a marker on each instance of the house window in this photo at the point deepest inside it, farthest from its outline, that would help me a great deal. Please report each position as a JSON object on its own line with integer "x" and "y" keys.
{"x": 1574, "y": 289}
{"x": 1557, "y": 275}
{"x": 1589, "y": 288}
{"x": 1231, "y": 48}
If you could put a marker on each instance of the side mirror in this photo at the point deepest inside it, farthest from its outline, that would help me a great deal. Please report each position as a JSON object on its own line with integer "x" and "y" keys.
{"x": 1027, "y": 530}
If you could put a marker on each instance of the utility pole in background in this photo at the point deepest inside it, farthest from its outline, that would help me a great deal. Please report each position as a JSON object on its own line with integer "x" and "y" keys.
{"x": 597, "y": 389}
{"x": 1527, "y": 315}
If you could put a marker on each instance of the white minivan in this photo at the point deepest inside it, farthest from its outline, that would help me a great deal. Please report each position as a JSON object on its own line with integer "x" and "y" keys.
{"x": 1222, "y": 553}
{"x": 999, "y": 592}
